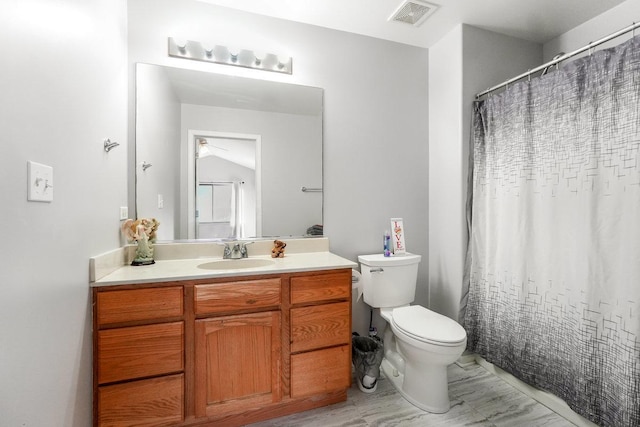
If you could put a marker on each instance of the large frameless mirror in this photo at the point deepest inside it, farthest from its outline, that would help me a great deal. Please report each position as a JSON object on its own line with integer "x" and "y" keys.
{"x": 221, "y": 157}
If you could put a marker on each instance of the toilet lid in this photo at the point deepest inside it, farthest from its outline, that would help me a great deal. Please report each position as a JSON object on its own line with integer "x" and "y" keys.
{"x": 428, "y": 326}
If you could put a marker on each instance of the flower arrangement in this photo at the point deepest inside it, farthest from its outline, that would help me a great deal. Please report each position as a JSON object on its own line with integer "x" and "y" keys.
{"x": 143, "y": 232}
{"x": 134, "y": 230}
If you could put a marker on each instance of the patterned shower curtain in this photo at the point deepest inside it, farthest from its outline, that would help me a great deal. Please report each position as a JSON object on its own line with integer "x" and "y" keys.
{"x": 554, "y": 250}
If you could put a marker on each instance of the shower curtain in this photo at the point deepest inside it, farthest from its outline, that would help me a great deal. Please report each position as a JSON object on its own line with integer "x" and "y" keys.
{"x": 554, "y": 247}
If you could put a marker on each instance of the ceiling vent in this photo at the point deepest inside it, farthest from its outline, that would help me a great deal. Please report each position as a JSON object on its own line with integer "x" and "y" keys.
{"x": 413, "y": 12}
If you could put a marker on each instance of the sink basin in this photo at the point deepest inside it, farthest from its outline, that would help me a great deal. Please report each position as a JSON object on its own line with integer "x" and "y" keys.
{"x": 235, "y": 264}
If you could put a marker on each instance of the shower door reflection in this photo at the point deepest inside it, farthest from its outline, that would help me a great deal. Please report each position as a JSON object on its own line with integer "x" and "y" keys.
{"x": 227, "y": 178}
{"x": 216, "y": 211}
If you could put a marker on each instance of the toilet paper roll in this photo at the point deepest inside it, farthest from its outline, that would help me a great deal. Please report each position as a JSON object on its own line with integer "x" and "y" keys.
{"x": 356, "y": 284}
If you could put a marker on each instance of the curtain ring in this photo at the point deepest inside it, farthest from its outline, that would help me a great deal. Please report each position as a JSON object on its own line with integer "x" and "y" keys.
{"x": 529, "y": 74}
{"x": 633, "y": 31}
{"x": 590, "y": 49}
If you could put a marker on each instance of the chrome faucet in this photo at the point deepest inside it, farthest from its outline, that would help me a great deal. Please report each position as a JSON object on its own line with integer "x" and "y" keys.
{"x": 236, "y": 250}
{"x": 226, "y": 254}
{"x": 236, "y": 253}
{"x": 243, "y": 249}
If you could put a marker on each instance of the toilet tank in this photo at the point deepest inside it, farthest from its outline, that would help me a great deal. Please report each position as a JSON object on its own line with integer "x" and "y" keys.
{"x": 389, "y": 281}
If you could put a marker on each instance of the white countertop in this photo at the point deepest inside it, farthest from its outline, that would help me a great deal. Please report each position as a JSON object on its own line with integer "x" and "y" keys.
{"x": 187, "y": 269}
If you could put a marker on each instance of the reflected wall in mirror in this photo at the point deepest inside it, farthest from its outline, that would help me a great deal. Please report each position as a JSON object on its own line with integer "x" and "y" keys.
{"x": 229, "y": 155}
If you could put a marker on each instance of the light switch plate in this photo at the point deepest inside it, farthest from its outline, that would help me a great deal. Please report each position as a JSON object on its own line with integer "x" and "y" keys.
{"x": 40, "y": 182}
{"x": 124, "y": 212}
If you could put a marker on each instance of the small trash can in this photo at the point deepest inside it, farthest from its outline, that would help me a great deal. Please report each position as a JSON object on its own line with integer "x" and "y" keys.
{"x": 367, "y": 354}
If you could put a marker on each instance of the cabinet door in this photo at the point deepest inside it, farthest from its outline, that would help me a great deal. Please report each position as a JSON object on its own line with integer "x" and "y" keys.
{"x": 242, "y": 295}
{"x": 320, "y": 287}
{"x": 132, "y": 305}
{"x": 321, "y": 371}
{"x": 320, "y": 326}
{"x": 152, "y": 403}
{"x": 140, "y": 351}
{"x": 237, "y": 363}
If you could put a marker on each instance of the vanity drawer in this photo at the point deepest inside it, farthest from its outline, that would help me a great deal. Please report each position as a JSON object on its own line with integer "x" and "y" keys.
{"x": 229, "y": 296}
{"x": 153, "y": 402}
{"x": 321, "y": 371}
{"x": 138, "y": 304}
{"x": 320, "y": 287}
{"x": 140, "y": 351}
{"x": 320, "y": 326}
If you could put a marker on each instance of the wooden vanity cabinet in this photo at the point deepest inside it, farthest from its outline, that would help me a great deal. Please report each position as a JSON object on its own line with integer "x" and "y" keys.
{"x": 224, "y": 351}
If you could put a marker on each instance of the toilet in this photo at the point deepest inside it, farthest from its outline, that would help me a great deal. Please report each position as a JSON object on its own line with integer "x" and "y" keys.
{"x": 419, "y": 344}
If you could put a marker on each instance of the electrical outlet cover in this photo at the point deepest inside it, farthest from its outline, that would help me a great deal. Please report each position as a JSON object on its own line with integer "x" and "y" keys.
{"x": 40, "y": 182}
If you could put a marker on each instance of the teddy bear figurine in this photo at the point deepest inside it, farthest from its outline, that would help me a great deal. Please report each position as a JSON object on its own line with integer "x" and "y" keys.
{"x": 278, "y": 249}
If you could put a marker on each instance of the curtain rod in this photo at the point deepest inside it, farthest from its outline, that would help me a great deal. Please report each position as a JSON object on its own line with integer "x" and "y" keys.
{"x": 561, "y": 58}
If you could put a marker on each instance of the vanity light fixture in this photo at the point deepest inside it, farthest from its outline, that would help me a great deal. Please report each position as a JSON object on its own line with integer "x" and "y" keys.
{"x": 237, "y": 57}
{"x": 108, "y": 145}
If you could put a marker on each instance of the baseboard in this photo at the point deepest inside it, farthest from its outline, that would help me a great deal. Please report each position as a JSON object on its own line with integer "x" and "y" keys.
{"x": 467, "y": 359}
{"x": 549, "y": 400}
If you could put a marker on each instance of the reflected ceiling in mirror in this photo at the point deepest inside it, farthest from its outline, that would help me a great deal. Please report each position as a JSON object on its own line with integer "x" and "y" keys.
{"x": 176, "y": 108}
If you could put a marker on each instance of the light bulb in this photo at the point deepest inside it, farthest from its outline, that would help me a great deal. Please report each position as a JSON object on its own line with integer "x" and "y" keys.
{"x": 259, "y": 57}
{"x": 233, "y": 54}
{"x": 283, "y": 61}
{"x": 181, "y": 44}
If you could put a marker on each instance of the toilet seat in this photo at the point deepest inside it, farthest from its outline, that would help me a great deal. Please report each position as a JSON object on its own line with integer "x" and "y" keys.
{"x": 427, "y": 326}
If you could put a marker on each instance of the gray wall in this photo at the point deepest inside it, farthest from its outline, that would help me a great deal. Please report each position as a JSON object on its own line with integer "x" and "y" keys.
{"x": 63, "y": 82}
{"x": 602, "y": 25}
{"x": 158, "y": 121}
{"x": 375, "y": 121}
{"x": 463, "y": 63}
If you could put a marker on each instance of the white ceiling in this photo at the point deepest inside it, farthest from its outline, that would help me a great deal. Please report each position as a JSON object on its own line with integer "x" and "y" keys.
{"x": 535, "y": 20}
{"x": 221, "y": 90}
{"x": 239, "y": 151}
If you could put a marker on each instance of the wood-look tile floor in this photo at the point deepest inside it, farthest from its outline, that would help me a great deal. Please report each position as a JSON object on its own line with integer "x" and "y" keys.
{"x": 478, "y": 398}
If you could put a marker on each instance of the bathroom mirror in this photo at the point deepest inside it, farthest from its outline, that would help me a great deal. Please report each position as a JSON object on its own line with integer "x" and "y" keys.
{"x": 221, "y": 156}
